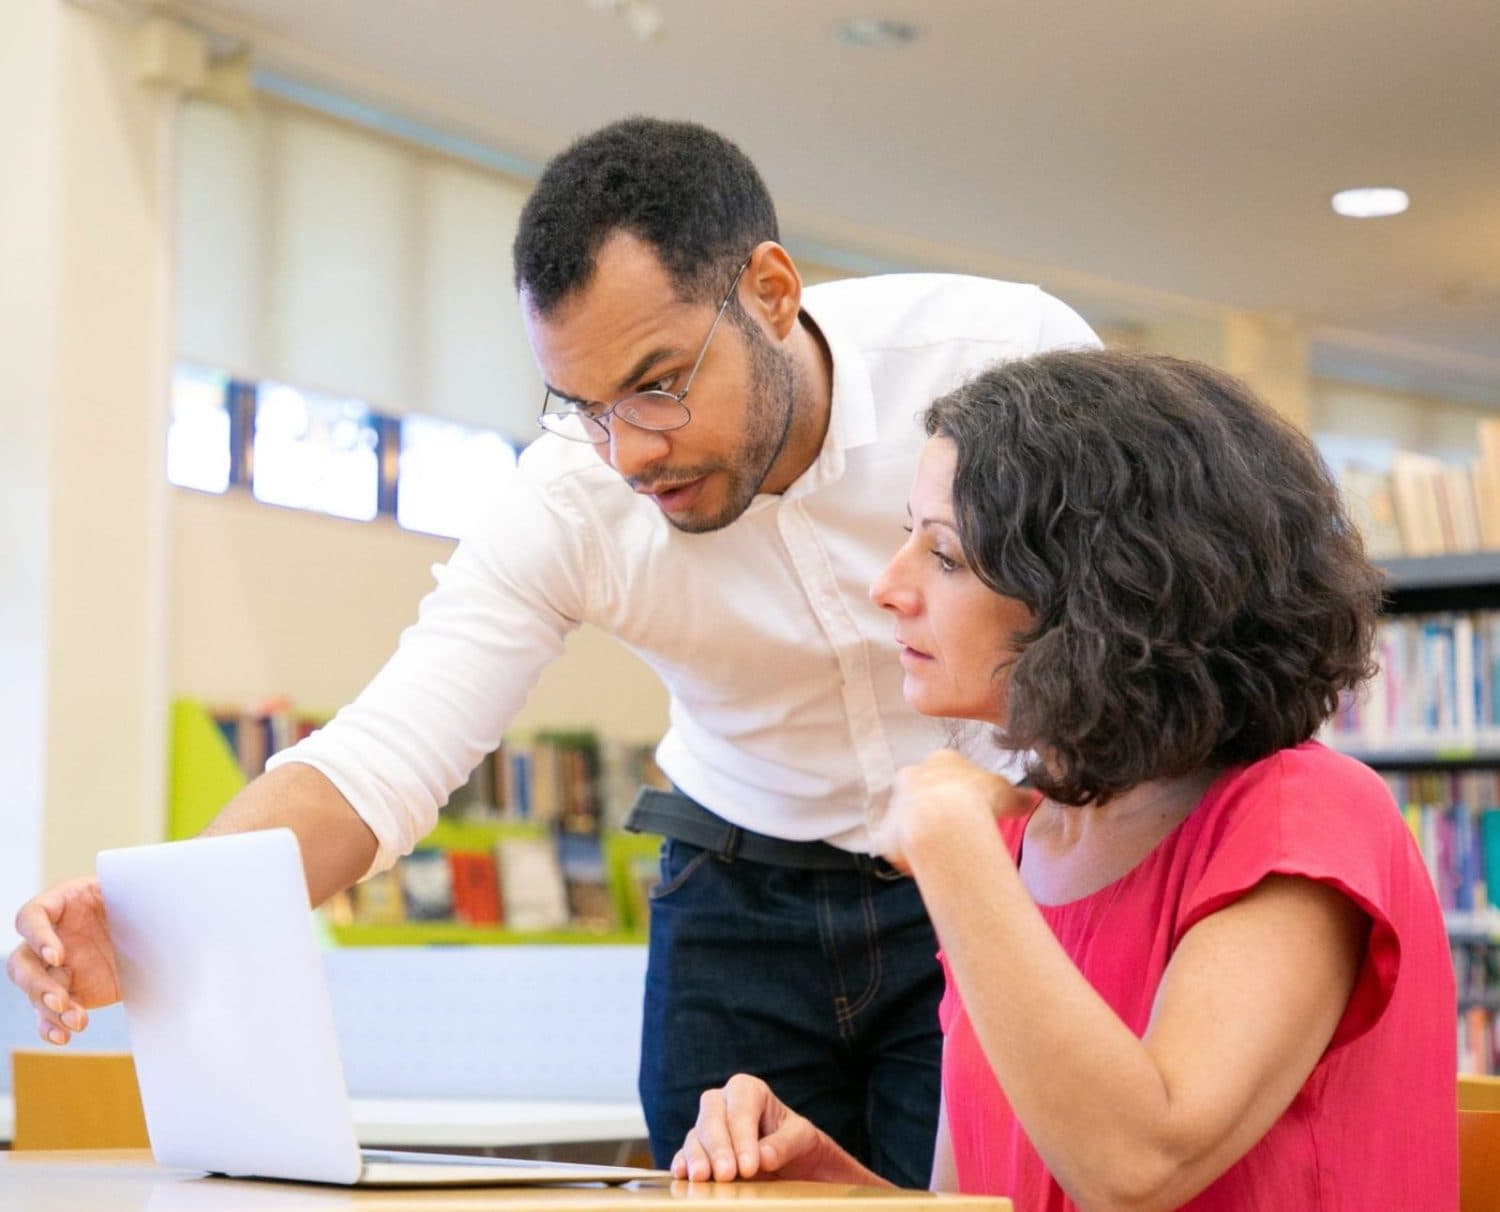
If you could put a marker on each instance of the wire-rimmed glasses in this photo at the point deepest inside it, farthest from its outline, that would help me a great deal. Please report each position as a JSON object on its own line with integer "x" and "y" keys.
{"x": 657, "y": 410}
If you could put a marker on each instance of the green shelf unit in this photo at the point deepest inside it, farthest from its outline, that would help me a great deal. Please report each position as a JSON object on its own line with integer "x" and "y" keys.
{"x": 205, "y": 775}
{"x": 204, "y": 772}
{"x": 438, "y": 934}
{"x": 476, "y": 835}
{"x": 624, "y": 855}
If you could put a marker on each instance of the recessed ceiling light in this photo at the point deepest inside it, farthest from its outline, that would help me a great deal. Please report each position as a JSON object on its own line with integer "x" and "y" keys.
{"x": 1370, "y": 203}
{"x": 873, "y": 31}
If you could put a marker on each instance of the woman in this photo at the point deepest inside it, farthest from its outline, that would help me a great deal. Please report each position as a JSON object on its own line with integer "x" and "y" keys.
{"x": 1201, "y": 964}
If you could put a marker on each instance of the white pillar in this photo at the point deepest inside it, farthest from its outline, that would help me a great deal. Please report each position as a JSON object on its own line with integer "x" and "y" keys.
{"x": 28, "y": 237}
{"x": 1269, "y": 352}
{"x": 86, "y": 354}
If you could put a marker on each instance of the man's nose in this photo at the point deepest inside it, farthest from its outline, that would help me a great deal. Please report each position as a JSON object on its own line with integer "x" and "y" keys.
{"x": 631, "y": 450}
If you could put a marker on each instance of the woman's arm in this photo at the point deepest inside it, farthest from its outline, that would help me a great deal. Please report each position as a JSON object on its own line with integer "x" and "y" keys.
{"x": 1245, "y": 1009}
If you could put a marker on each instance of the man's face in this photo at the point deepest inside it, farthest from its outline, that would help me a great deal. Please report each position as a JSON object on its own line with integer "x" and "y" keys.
{"x": 627, "y": 331}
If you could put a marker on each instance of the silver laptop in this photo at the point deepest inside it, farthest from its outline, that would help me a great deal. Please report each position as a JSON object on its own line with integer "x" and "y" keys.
{"x": 232, "y": 1030}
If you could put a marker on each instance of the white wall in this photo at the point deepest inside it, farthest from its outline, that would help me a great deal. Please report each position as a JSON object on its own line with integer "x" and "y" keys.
{"x": 269, "y": 601}
{"x": 1397, "y": 419}
{"x": 87, "y": 360}
{"x": 28, "y": 233}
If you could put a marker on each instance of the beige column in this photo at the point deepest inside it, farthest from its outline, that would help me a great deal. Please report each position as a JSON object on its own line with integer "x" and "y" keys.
{"x": 86, "y": 354}
{"x": 1269, "y": 352}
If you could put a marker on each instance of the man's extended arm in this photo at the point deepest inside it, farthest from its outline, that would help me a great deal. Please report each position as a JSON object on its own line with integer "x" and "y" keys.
{"x": 337, "y": 846}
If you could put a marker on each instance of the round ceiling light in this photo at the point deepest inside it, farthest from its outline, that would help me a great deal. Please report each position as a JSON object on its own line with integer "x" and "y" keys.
{"x": 873, "y": 31}
{"x": 1370, "y": 203}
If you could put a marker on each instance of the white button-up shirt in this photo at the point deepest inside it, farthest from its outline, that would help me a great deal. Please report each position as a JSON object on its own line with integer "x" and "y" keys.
{"x": 787, "y": 716}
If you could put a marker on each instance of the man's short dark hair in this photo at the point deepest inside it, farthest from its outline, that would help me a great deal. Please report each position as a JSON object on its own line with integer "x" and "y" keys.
{"x": 1200, "y": 595}
{"x": 688, "y": 193}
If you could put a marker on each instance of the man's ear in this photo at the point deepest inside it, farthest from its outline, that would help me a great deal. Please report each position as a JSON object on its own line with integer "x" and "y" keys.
{"x": 775, "y": 287}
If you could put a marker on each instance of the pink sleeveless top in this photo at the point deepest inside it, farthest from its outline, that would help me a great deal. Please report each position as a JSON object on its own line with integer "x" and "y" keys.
{"x": 1375, "y": 1125}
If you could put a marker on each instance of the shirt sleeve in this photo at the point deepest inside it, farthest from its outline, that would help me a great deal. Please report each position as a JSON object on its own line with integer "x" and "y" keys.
{"x": 1317, "y": 820}
{"x": 504, "y": 604}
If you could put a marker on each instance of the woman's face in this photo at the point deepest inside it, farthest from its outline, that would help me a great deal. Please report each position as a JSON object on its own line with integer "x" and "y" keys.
{"x": 953, "y": 630}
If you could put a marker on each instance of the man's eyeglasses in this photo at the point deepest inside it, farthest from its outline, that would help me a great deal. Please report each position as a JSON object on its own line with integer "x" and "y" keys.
{"x": 655, "y": 410}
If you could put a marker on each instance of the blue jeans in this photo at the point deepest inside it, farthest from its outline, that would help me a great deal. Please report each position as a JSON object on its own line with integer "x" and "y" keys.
{"x": 824, "y": 983}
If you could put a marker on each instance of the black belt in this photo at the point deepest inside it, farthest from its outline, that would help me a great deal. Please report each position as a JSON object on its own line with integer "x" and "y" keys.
{"x": 677, "y": 816}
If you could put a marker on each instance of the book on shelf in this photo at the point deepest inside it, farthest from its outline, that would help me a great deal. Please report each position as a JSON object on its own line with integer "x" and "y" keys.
{"x": 508, "y": 857}
{"x": 1454, "y": 815}
{"x": 476, "y": 888}
{"x": 591, "y": 900}
{"x": 379, "y": 899}
{"x": 256, "y": 732}
{"x": 1372, "y": 507}
{"x": 427, "y": 886}
{"x": 533, "y": 895}
{"x": 527, "y": 879}
{"x": 573, "y": 779}
{"x": 1437, "y": 686}
{"x": 1417, "y": 486}
{"x": 1421, "y": 505}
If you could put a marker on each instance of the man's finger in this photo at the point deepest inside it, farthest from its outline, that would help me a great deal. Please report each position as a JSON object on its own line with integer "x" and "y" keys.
{"x": 32, "y": 977}
{"x": 57, "y": 997}
{"x": 35, "y": 922}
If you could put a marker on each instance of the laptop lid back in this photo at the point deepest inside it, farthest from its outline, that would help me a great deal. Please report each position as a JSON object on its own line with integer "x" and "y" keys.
{"x": 228, "y": 1012}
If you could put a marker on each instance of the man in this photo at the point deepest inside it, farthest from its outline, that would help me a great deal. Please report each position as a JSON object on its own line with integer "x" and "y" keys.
{"x": 725, "y": 475}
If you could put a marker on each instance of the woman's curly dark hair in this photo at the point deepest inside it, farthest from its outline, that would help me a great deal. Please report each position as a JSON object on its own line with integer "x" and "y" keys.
{"x": 1200, "y": 596}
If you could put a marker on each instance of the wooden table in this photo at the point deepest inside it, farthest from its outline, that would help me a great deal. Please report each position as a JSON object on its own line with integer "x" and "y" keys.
{"x": 129, "y": 1181}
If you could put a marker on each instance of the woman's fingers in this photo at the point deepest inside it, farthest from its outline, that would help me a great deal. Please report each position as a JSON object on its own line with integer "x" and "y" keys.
{"x": 791, "y": 1141}
{"x": 725, "y": 1142}
{"x": 745, "y": 1103}
{"x": 695, "y": 1163}
{"x": 712, "y": 1133}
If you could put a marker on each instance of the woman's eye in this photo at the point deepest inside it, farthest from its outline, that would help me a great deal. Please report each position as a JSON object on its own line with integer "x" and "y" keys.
{"x": 946, "y": 564}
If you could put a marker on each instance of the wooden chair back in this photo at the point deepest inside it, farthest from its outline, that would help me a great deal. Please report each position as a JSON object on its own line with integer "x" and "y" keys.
{"x": 76, "y": 1100}
{"x": 1478, "y": 1143}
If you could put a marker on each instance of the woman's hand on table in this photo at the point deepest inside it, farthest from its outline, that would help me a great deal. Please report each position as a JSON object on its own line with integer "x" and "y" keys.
{"x": 745, "y": 1131}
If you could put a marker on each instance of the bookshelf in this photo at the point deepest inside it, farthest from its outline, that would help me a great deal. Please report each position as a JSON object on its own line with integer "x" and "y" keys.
{"x": 598, "y": 874}
{"x": 1430, "y": 724}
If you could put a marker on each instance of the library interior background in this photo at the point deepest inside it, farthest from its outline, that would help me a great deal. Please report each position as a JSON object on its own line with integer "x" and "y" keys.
{"x": 262, "y": 363}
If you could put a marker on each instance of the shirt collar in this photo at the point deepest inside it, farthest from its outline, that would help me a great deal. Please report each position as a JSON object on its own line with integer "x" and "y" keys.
{"x": 851, "y": 421}
{"x": 851, "y": 409}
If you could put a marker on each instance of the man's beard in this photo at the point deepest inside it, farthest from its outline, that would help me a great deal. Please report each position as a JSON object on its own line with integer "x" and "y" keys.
{"x": 768, "y": 422}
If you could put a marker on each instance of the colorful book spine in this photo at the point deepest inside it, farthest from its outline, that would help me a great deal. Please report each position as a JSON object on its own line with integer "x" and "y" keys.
{"x": 1437, "y": 686}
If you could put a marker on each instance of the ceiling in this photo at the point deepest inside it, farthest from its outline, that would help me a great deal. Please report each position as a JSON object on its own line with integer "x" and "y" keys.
{"x": 1131, "y": 156}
